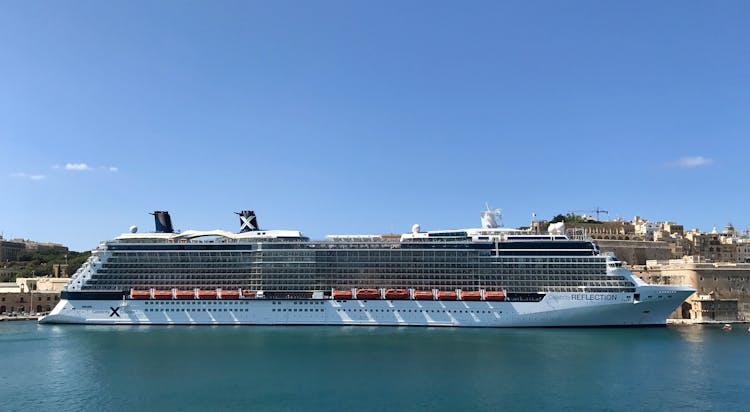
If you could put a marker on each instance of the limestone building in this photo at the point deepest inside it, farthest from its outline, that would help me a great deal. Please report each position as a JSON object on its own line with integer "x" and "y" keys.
{"x": 743, "y": 250}
{"x": 722, "y": 288}
{"x": 41, "y": 246}
{"x": 30, "y": 295}
{"x": 714, "y": 246}
{"x": 9, "y": 251}
{"x": 41, "y": 284}
{"x": 36, "y": 302}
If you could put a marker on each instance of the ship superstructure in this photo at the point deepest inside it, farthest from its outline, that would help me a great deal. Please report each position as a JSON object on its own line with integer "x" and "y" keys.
{"x": 488, "y": 276}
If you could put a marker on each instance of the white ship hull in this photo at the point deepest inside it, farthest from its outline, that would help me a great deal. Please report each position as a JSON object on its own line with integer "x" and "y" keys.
{"x": 652, "y": 306}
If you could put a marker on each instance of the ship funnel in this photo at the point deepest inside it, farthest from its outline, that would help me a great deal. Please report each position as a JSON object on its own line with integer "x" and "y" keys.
{"x": 163, "y": 222}
{"x": 248, "y": 221}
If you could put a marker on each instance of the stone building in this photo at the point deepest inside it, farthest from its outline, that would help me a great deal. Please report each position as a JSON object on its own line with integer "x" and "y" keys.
{"x": 743, "y": 250}
{"x": 30, "y": 295}
{"x": 610, "y": 230}
{"x": 709, "y": 308}
{"x": 41, "y": 284}
{"x": 720, "y": 287}
{"x": 714, "y": 246}
{"x": 9, "y": 287}
{"x": 35, "y": 302}
{"x": 9, "y": 251}
{"x": 42, "y": 246}
{"x": 673, "y": 228}
{"x": 59, "y": 270}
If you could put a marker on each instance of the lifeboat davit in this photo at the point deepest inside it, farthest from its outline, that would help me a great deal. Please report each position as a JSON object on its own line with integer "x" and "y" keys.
{"x": 368, "y": 294}
{"x": 185, "y": 294}
{"x": 140, "y": 294}
{"x": 207, "y": 294}
{"x": 443, "y": 295}
{"x": 230, "y": 294}
{"x": 248, "y": 293}
{"x": 162, "y": 294}
{"x": 496, "y": 296}
{"x": 342, "y": 294}
{"x": 423, "y": 295}
{"x": 471, "y": 296}
{"x": 396, "y": 294}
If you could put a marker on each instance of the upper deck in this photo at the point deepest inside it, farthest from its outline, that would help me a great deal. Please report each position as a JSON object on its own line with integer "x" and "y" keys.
{"x": 251, "y": 233}
{"x": 284, "y": 260}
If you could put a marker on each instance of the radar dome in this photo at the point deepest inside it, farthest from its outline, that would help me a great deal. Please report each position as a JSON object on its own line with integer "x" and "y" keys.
{"x": 415, "y": 228}
{"x": 133, "y": 229}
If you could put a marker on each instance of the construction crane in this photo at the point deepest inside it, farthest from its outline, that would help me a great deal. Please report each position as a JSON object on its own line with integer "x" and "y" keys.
{"x": 598, "y": 211}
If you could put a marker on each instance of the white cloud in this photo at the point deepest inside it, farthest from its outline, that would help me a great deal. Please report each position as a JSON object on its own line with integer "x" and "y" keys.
{"x": 113, "y": 169}
{"x": 23, "y": 175}
{"x": 77, "y": 166}
{"x": 692, "y": 161}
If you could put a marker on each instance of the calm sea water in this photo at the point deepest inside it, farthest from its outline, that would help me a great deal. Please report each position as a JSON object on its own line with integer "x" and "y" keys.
{"x": 73, "y": 368}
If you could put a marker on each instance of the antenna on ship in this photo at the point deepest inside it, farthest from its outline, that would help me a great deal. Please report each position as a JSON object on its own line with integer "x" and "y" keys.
{"x": 163, "y": 221}
{"x": 492, "y": 218}
{"x": 248, "y": 221}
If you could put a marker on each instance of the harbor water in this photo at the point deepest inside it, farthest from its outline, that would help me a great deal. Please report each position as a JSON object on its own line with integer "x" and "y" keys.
{"x": 101, "y": 368}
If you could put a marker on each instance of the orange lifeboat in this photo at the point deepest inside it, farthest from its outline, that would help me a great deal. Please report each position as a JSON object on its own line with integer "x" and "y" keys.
{"x": 162, "y": 294}
{"x": 140, "y": 294}
{"x": 230, "y": 294}
{"x": 368, "y": 294}
{"x": 248, "y": 293}
{"x": 497, "y": 296}
{"x": 442, "y": 295}
{"x": 342, "y": 294}
{"x": 207, "y": 294}
{"x": 471, "y": 296}
{"x": 397, "y": 294}
{"x": 185, "y": 294}
{"x": 423, "y": 295}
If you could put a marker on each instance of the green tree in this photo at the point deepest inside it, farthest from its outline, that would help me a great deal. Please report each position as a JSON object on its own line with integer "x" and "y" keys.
{"x": 40, "y": 262}
{"x": 572, "y": 218}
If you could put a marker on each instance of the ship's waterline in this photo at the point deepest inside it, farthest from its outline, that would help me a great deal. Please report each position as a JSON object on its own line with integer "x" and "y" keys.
{"x": 485, "y": 277}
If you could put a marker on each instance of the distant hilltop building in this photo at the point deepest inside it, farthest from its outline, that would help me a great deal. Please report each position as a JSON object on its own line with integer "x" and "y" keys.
{"x": 32, "y": 245}
{"x": 10, "y": 250}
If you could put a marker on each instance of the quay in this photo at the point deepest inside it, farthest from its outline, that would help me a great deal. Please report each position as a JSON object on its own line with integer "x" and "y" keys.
{"x": 8, "y": 318}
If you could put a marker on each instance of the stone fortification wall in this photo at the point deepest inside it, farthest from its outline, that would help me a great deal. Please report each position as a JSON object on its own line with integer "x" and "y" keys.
{"x": 636, "y": 252}
{"x": 717, "y": 280}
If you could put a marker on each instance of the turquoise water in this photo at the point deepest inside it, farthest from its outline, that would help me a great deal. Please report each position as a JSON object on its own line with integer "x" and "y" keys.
{"x": 73, "y": 367}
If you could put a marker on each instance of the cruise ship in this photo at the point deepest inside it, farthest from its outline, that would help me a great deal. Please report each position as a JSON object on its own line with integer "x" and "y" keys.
{"x": 480, "y": 277}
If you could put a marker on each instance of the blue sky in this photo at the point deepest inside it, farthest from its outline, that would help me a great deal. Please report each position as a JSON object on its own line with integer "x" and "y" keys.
{"x": 367, "y": 117}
